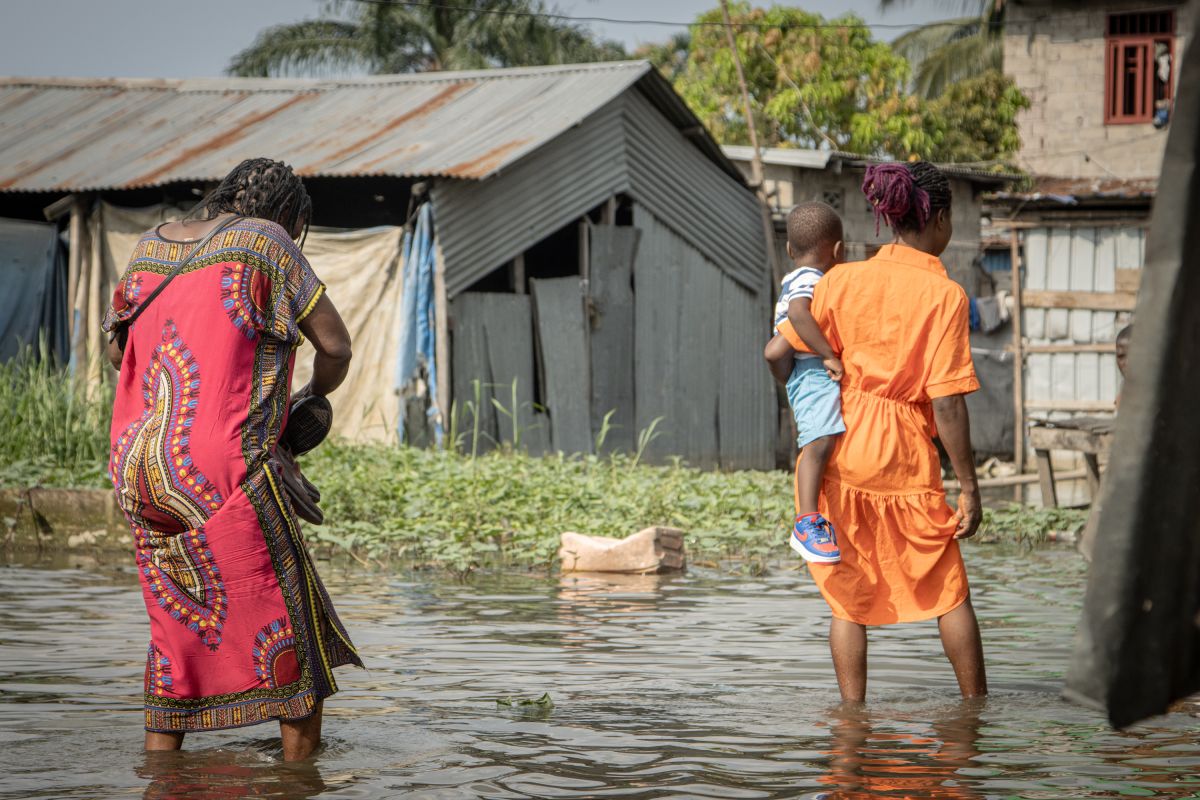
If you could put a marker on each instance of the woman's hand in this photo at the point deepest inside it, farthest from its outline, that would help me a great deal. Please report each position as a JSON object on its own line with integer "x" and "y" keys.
{"x": 970, "y": 514}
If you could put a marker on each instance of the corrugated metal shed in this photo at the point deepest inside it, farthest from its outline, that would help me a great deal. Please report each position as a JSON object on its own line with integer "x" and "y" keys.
{"x": 630, "y": 146}
{"x": 64, "y": 134}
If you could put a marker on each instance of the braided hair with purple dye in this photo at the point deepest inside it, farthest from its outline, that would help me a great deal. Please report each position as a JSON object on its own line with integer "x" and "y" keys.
{"x": 906, "y": 196}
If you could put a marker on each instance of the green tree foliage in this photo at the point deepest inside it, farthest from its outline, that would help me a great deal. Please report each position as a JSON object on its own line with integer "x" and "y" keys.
{"x": 978, "y": 119}
{"x": 811, "y": 83}
{"x": 386, "y": 37}
{"x": 827, "y": 83}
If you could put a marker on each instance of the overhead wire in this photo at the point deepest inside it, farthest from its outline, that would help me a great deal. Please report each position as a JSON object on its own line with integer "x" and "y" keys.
{"x": 660, "y": 22}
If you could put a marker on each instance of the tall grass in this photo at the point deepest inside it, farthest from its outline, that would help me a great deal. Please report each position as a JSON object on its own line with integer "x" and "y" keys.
{"x": 53, "y": 431}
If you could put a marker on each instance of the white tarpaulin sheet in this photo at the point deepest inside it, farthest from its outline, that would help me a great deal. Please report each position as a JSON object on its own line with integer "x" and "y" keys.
{"x": 362, "y": 273}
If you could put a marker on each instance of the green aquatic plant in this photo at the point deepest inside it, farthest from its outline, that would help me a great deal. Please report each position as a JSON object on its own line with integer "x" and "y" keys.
{"x": 543, "y": 702}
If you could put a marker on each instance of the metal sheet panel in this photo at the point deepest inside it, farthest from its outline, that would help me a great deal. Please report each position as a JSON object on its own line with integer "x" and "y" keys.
{"x": 563, "y": 350}
{"x": 62, "y": 134}
{"x": 657, "y": 310}
{"x": 698, "y": 336}
{"x": 610, "y": 292}
{"x": 747, "y": 414}
{"x": 474, "y": 415}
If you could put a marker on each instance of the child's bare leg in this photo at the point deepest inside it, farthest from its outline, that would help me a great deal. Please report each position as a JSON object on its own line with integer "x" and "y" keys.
{"x": 810, "y": 471}
{"x": 964, "y": 648}
{"x": 163, "y": 741}
{"x": 848, "y": 645}
{"x": 301, "y": 737}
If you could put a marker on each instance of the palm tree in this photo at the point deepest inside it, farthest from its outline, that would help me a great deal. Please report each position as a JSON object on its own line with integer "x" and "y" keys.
{"x": 952, "y": 50}
{"x": 382, "y": 36}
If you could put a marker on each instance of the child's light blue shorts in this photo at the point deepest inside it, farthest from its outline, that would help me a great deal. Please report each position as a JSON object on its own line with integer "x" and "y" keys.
{"x": 816, "y": 401}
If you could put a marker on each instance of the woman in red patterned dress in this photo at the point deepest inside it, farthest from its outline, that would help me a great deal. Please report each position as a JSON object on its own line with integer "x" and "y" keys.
{"x": 242, "y": 630}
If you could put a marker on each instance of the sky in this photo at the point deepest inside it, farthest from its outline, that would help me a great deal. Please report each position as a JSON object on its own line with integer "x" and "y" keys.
{"x": 173, "y": 39}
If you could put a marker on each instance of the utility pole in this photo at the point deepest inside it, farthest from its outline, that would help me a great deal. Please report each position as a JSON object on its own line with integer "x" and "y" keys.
{"x": 756, "y": 165}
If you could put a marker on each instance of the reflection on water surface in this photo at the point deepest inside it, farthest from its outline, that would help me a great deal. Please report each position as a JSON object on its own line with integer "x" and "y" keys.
{"x": 704, "y": 685}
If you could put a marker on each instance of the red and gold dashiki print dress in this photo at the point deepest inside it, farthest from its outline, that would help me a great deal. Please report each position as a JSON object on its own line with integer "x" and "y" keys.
{"x": 242, "y": 630}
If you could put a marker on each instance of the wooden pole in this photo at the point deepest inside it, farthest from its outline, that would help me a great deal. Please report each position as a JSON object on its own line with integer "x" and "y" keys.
{"x": 756, "y": 165}
{"x": 1018, "y": 357}
{"x": 74, "y": 269}
{"x": 441, "y": 343}
{"x": 518, "y": 273}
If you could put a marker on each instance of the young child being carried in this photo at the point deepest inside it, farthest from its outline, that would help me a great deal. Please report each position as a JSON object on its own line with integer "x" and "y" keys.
{"x": 815, "y": 246}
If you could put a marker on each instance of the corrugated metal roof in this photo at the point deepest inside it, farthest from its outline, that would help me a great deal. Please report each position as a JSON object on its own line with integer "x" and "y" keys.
{"x": 1076, "y": 191}
{"x": 64, "y": 134}
{"x": 820, "y": 159}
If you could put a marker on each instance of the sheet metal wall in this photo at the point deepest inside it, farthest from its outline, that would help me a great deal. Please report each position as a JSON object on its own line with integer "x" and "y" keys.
{"x": 628, "y": 146}
{"x": 1081, "y": 259}
{"x": 698, "y": 336}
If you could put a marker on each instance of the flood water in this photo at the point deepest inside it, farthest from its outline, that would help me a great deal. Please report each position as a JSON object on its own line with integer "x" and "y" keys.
{"x": 702, "y": 685}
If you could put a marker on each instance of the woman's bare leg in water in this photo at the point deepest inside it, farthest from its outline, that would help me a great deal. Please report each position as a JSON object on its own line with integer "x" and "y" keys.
{"x": 163, "y": 741}
{"x": 301, "y": 737}
{"x": 964, "y": 648}
{"x": 848, "y": 645}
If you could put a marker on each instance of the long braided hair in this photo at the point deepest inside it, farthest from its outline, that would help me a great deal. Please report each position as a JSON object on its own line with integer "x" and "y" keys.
{"x": 906, "y": 196}
{"x": 262, "y": 188}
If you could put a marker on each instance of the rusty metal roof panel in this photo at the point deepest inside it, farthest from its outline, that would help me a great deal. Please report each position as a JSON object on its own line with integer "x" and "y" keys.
{"x": 64, "y": 134}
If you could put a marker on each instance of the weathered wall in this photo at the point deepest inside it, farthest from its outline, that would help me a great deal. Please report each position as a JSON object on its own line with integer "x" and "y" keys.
{"x": 792, "y": 185}
{"x": 1055, "y": 52}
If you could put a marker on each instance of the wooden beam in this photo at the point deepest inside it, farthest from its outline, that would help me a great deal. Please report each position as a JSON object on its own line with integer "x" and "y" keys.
{"x": 1019, "y": 479}
{"x": 1014, "y": 245}
{"x": 1093, "y": 301}
{"x": 1087, "y": 406}
{"x": 1128, "y": 280}
{"x": 518, "y": 273}
{"x": 1095, "y": 347}
{"x": 58, "y": 208}
{"x": 441, "y": 342}
{"x": 608, "y": 212}
{"x": 1043, "y": 437}
{"x": 1046, "y": 479}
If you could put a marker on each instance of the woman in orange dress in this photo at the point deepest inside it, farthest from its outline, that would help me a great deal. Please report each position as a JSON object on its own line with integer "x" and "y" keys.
{"x": 901, "y": 328}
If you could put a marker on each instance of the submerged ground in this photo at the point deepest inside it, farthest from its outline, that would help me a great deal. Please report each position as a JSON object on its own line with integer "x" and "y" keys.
{"x": 702, "y": 685}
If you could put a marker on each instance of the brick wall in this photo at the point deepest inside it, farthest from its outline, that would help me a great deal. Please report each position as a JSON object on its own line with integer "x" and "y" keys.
{"x": 1055, "y": 52}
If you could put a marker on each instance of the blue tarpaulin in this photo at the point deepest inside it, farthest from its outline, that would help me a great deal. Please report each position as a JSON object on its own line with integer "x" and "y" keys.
{"x": 33, "y": 304}
{"x": 416, "y": 337}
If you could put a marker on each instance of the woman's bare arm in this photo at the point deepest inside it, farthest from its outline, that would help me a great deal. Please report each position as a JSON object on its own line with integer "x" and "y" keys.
{"x": 954, "y": 429}
{"x": 325, "y": 329}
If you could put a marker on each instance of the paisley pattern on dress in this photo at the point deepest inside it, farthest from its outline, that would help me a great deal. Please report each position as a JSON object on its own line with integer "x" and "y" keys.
{"x": 158, "y": 672}
{"x": 238, "y": 301}
{"x": 184, "y": 579}
{"x": 275, "y": 654}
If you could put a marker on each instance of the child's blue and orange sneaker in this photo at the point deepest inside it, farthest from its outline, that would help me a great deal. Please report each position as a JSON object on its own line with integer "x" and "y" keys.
{"x": 813, "y": 538}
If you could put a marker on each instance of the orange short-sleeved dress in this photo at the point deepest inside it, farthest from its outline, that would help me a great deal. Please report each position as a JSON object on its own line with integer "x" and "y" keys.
{"x": 902, "y": 329}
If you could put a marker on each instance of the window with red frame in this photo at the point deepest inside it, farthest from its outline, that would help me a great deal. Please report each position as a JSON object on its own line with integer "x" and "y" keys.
{"x": 1139, "y": 66}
